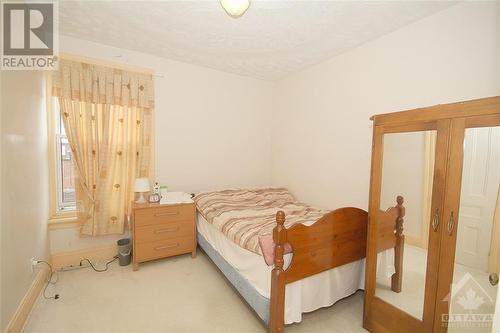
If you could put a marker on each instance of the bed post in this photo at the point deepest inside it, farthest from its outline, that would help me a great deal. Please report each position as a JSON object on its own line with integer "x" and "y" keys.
{"x": 277, "y": 303}
{"x": 397, "y": 277}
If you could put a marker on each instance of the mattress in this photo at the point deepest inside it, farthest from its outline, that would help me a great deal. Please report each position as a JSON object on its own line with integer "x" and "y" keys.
{"x": 306, "y": 295}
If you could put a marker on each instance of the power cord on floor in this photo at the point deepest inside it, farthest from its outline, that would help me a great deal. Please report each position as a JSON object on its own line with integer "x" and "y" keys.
{"x": 96, "y": 269}
{"x": 49, "y": 280}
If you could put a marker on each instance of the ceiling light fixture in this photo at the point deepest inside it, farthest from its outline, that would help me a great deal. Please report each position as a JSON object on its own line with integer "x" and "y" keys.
{"x": 235, "y": 8}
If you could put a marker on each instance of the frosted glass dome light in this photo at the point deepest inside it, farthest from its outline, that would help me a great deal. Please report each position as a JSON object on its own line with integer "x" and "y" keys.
{"x": 235, "y": 8}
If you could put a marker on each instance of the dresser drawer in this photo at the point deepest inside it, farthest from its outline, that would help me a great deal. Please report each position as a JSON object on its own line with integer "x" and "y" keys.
{"x": 163, "y": 248}
{"x": 164, "y": 215}
{"x": 157, "y": 232}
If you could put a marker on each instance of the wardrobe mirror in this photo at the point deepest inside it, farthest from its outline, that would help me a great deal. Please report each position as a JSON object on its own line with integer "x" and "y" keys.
{"x": 407, "y": 170}
{"x": 477, "y": 254}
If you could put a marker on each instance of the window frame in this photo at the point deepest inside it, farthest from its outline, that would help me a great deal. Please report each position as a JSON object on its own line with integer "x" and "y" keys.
{"x": 61, "y": 206}
{"x": 57, "y": 217}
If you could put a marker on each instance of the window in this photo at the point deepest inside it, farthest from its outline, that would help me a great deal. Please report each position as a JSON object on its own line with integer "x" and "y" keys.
{"x": 64, "y": 173}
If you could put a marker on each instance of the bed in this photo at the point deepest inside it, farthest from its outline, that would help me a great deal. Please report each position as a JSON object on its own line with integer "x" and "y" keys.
{"x": 317, "y": 256}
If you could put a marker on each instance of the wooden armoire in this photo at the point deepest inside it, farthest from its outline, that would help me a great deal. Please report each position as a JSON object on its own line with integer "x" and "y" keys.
{"x": 445, "y": 161}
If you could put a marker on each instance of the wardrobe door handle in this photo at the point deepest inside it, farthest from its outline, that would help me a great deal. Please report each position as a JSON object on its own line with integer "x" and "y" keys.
{"x": 435, "y": 220}
{"x": 451, "y": 224}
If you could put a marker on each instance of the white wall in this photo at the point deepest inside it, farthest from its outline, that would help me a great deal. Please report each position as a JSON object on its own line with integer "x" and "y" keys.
{"x": 24, "y": 179}
{"x": 321, "y": 127}
{"x": 213, "y": 129}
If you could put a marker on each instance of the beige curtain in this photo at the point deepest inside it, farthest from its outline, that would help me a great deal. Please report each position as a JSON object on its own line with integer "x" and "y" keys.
{"x": 107, "y": 115}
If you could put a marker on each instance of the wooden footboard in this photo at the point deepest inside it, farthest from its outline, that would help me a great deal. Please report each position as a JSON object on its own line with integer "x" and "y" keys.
{"x": 337, "y": 238}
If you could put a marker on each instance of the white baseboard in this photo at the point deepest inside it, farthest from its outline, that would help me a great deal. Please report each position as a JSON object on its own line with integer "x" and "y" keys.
{"x": 18, "y": 321}
{"x": 73, "y": 258}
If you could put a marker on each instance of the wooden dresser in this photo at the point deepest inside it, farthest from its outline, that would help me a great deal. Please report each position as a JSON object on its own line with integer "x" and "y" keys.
{"x": 161, "y": 231}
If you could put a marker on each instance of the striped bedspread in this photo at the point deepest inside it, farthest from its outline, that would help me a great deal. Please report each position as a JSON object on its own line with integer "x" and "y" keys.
{"x": 245, "y": 214}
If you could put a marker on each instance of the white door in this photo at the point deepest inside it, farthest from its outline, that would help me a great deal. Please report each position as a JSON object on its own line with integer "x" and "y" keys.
{"x": 480, "y": 181}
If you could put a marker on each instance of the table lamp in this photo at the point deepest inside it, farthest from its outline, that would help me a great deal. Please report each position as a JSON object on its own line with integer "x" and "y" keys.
{"x": 141, "y": 185}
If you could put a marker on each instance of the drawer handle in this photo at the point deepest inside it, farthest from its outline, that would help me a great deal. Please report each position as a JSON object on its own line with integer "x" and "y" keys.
{"x": 164, "y": 247}
{"x": 162, "y": 231}
{"x": 166, "y": 214}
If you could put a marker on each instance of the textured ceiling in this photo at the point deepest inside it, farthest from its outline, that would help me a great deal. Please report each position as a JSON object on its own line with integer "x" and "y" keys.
{"x": 272, "y": 39}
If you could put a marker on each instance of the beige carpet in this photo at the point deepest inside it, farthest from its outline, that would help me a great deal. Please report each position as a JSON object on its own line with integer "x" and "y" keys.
{"x": 179, "y": 294}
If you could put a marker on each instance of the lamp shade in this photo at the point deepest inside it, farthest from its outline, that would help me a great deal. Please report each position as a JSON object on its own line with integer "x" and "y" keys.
{"x": 141, "y": 185}
{"x": 235, "y": 8}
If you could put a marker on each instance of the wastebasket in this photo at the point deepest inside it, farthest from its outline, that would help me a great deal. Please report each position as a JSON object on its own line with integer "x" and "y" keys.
{"x": 124, "y": 251}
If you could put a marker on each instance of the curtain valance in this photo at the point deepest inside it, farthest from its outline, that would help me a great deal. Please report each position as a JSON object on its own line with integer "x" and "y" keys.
{"x": 84, "y": 82}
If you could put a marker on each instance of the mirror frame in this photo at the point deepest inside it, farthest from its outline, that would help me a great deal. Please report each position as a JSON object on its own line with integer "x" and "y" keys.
{"x": 386, "y": 311}
{"x": 411, "y": 179}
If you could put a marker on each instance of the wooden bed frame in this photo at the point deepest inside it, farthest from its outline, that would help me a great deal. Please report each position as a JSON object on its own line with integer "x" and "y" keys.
{"x": 336, "y": 239}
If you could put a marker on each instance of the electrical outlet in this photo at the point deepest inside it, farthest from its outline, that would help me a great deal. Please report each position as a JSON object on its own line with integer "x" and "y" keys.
{"x": 33, "y": 263}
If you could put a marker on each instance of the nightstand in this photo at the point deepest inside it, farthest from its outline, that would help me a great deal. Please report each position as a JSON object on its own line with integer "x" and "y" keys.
{"x": 161, "y": 231}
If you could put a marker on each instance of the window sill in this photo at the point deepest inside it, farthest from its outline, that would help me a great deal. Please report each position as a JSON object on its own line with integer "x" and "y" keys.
{"x": 63, "y": 221}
